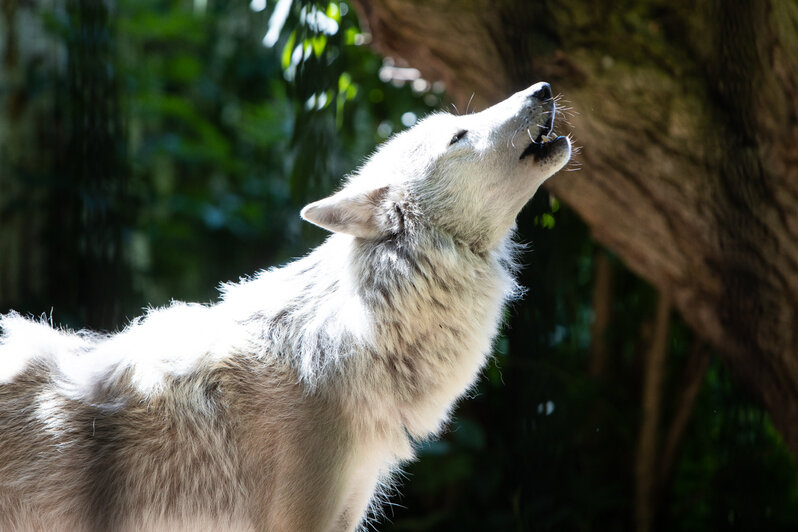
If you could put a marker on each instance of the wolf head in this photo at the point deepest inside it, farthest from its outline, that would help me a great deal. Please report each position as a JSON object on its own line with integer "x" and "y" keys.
{"x": 467, "y": 176}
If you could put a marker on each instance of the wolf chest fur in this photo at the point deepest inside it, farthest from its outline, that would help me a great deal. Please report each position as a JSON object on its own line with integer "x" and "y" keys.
{"x": 289, "y": 403}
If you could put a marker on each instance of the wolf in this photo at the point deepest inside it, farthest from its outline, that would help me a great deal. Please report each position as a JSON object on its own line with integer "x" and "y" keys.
{"x": 288, "y": 404}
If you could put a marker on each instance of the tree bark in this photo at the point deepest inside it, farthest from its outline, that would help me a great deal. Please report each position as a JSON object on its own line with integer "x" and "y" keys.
{"x": 688, "y": 119}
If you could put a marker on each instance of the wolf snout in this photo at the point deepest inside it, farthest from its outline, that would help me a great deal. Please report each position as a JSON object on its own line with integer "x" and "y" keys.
{"x": 541, "y": 91}
{"x": 542, "y": 108}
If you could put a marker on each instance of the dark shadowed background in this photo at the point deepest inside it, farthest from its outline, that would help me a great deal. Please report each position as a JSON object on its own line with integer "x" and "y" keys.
{"x": 151, "y": 149}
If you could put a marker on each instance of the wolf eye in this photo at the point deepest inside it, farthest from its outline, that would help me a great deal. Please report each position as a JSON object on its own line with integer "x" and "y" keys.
{"x": 459, "y": 135}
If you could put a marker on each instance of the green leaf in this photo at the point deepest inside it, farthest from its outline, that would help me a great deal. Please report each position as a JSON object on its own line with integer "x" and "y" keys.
{"x": 318, "y": 43}
{"x": 334, "y": 12}
{"x": 288, "y": 50}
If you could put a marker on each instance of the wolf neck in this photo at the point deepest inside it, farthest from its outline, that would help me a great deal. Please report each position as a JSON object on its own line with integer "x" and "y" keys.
{"x": 437, "y": 306}
{"x": 413, "y": 322}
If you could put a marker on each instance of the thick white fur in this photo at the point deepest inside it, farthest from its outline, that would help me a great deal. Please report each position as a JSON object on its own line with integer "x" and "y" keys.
{"x": 288, "y": 404}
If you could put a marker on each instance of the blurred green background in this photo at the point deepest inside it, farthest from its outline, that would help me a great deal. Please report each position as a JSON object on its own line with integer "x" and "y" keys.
{"x": 151, "y": 149}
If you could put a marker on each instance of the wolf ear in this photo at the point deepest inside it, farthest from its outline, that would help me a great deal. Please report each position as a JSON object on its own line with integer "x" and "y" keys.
{"x": 346, "y": 212}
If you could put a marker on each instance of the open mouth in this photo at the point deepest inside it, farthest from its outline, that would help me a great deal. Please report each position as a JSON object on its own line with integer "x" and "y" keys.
{"x": 544, "y": 144}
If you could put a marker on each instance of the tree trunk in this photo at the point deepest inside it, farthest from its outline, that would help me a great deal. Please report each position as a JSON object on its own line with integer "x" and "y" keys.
{"x": 62, "y": 176}
{"x": 648, "y": 443}
{"x": 688, "y": 119}
{"x": 26, "y": 124}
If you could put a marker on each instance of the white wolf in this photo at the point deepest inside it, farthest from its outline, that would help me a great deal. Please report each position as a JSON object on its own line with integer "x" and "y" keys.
{"x": 286, "y": 405}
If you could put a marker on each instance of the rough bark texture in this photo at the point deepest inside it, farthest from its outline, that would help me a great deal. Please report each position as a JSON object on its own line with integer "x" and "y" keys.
{"x": 688, "y": 118}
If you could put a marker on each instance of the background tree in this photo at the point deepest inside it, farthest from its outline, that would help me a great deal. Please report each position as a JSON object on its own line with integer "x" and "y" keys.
{"x": 62, "y": 174}
{"x": 688, "y": 116}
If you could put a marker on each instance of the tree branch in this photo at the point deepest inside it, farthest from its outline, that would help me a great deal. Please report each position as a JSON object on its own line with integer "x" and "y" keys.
{"x": 646, "y": 479}
{"x": 602, "y": 309}
{"x": 694, "y": 372}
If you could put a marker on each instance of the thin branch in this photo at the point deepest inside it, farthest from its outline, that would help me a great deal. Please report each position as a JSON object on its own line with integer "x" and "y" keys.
{"x": 602, "y": 310}
{"x": 694, "y": 372}
{"x": 654, "y": 373}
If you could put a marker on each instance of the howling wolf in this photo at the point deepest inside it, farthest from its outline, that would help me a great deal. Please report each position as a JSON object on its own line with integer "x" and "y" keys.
{"x": 287, "y": 405}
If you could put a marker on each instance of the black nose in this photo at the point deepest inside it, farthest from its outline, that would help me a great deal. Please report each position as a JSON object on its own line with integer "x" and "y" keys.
{"x": 543, "y": 93}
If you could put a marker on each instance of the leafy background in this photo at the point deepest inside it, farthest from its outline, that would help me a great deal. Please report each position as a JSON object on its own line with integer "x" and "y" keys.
{"x": 163, "y": 146}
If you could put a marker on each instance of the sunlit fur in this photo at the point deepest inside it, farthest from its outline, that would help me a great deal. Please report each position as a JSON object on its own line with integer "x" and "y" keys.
{"x": 288, "y": 404}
